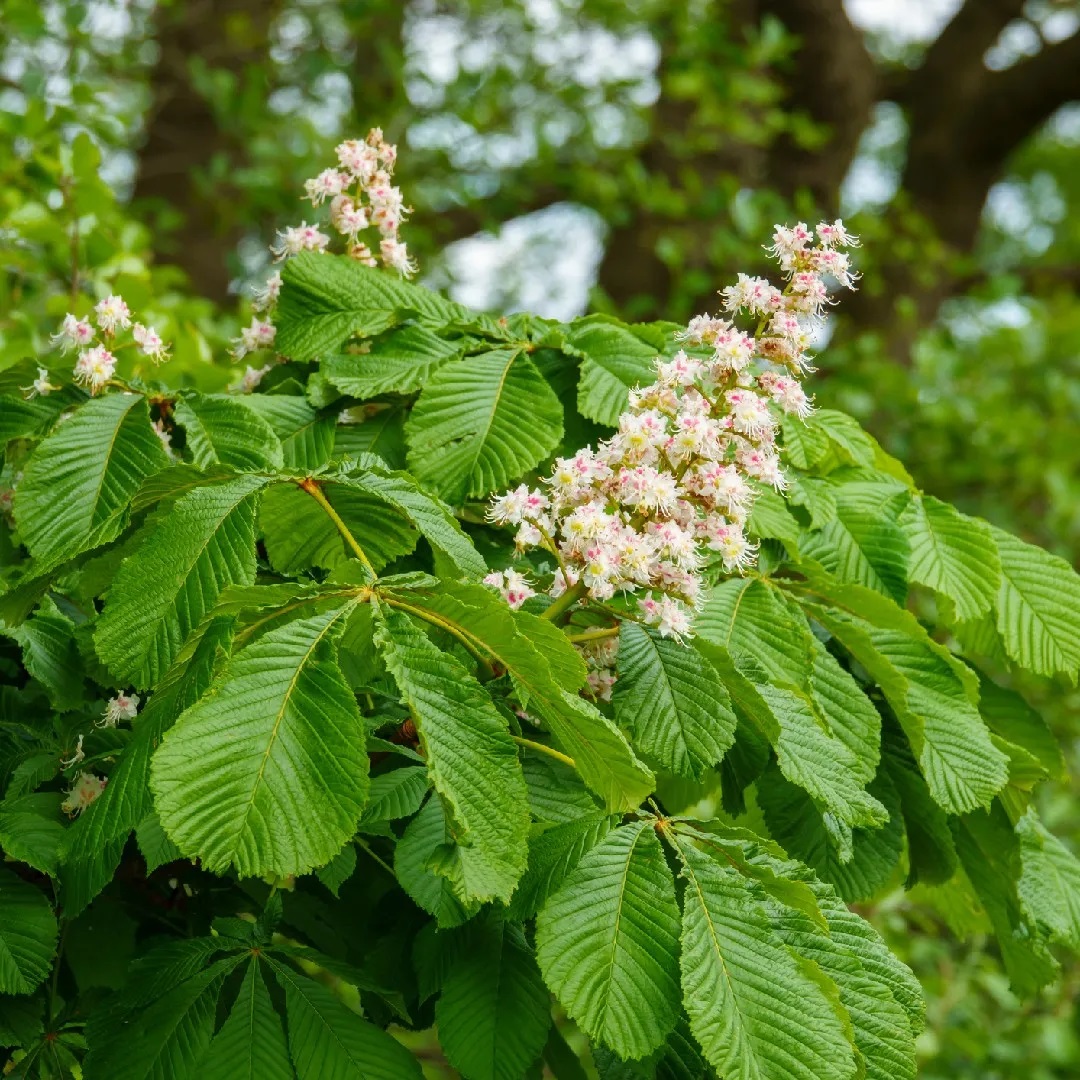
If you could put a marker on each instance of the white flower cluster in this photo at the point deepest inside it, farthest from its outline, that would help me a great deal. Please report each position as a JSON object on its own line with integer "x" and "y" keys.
{"x": 361, "y": 196}
{"x": 84, "y": 791}
{"x": 641, "y": 512}
{"x": 96, "y": 363}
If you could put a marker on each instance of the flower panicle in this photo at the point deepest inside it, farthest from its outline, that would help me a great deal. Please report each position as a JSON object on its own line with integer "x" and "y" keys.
{"x": 97, "y": 339}
{"x": 648, "y": 510}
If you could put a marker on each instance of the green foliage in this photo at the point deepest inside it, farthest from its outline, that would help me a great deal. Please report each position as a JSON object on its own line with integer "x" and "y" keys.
{"x": 349, "y": 750}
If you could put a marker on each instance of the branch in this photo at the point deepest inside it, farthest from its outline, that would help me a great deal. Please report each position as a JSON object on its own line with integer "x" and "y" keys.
{"x": 834, "y": 80}
{"x": 952, "y": 67}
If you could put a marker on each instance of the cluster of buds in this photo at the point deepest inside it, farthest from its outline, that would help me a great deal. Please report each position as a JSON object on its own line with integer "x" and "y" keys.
{"x": 361, "y": 196}
{"x": 670, "y": 493}
{"x": 84, "y": 791}
{"x": 95, "y": 364}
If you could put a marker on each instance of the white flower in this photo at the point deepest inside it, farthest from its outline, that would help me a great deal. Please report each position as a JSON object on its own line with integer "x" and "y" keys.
{"x": 79, "y": 755}
{"x": 266, "y": 297}
{"x": 148, "y": 339}
{"x": 121, "y": 707}
{"x": 95, "y": 367}
{"x": 259, "y": 335}
{"x": 40, "y": 386}
{"x": 396, "y": 256}
{"x": 73, "y": 333}
{"x": 251, "y": 378}
{"x": 297, "y": 238}
{"x": 84, "y": 791}
{"x": 326, "y": 185}
{"x": 113, "y": 314}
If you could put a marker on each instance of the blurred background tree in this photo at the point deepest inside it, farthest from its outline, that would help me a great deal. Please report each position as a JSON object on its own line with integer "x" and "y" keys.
{"x": 622, "y": 155}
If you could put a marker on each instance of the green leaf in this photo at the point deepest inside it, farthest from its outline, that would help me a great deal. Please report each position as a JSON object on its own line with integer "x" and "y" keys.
{"x": 326, "y": 299}
{"x": 808, "y": 755}
{"x": 600, "y": 752}
{"x": 339, "y": 869}
{"x": 156, "y": 848}
{"x": 75, "y": 491}
{"x": 251, "y": 1043}
{"x": 616, "y": 360}
{"x": 395, "y": 794}
{"x": 952, "y": 554}
{"x": 607, "y": 942}
{"x": 431, "y": 517}
{"x": 882, "y": 1030}
{"x": 1049, "y": 885}
{"x": 493, "y": 1013}
{"x": 300, "y": 536}
{"x": 1038, "y": 601}
{"x": 862, "y": 544}
{"x": 1007, "y": 714}
{"x": 223, "y": 430}
{"x": 164, "y": 1035}
{"x": 670, "y": 698}
{"x": 990, "y": 854}
{"x": 268, "y": 772}
{"x": 427, "y": 834}
{"x": 755, "y": 1008}
{"x": 870, "y": 860}
{"x": 328, "y": 1042}
{"x": 96, "y": 839}
{"x": 51, "y": 655}
{"x": 205, "y": 542}
{"x": 306, "y": 434}
{"x": 472, "y": 760}
{"x": 401, "y": 361}
{"x": 482, "y": 423}
{"x": 845, "y": 436}
{"x": 557, "y": 793}
{"x": 962, "y": 766}
{"x": 27, "y": 935}
{"x": 553, "y": 854}
{"x": 30, "y": 830}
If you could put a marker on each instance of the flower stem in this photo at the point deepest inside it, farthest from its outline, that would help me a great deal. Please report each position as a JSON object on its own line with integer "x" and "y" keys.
{"x": 594, "y": 635}
{"x": 566, "y": 601}
{"x": 310, "y": 485}
{"x": 549, "y": 750}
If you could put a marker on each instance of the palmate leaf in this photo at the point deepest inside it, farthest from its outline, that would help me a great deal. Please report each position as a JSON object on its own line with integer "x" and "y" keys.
{"x": 481, "y": 423}
{"x": 223, "y": 430}
{"x": 326, "y": 299}
{"x": 758, "y": 1011}
{"x": 164, "y": 1035}
{"x": 250, "y": 1045}
{"x": 608, "y": 941}
{"x": 27, "y": 935}
{"x": 952, "y": 554}
{"x": 1038, "y": 603}
{"x": 268, "y": 772}
{"x": 95, "y": 841}
{"x": 494, "y": 1010}
{"x": 671, "y": 700}
{"x": 204, "y": 543}
{"x": 77, "y": 485}
{"x": 472, "y": 761}
{"x": 532, "y": 652}
{"x": 399, "y": 362}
